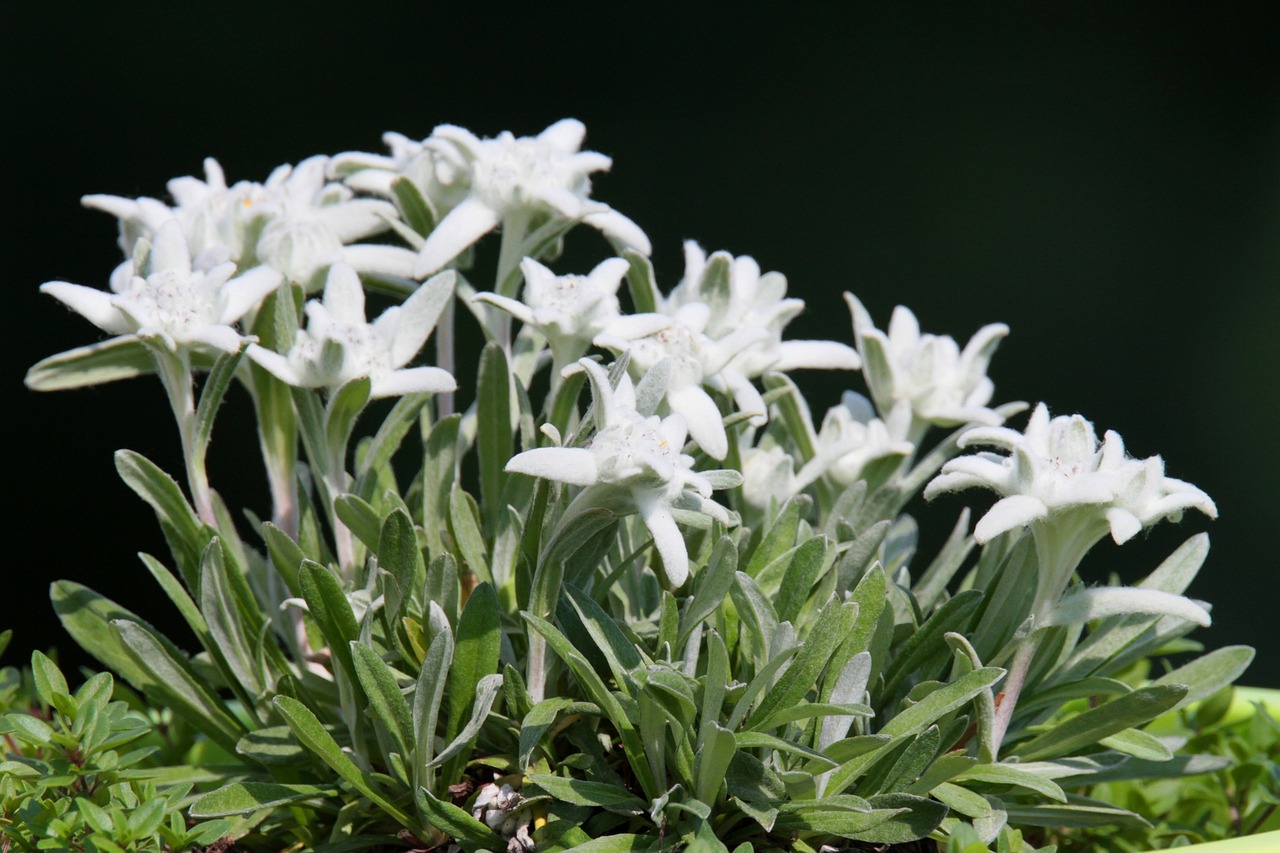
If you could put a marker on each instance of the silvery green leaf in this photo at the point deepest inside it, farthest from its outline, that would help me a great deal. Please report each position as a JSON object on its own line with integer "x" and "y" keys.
{"x": 832, "y": 626}
{"x": 470, "y": 834}
{"x": 427, "y": 698}
{"x": 439, "y": 473}
{"x": 106, "y": 361}
{"x": 329, "y": 607}
{"x": 1087, "y": 728}
{"x": 795, "y": 415}
{"x": 933, "y": 583}
{"x": 464, "y": 524}
{"x": 172, "y": 677}
{"x": 475, "y": 656}
{"x": 806, "y": 565}
{"x": 583, "y": 793}
{"x": 184, "y": 532}
{"x": 756, "y": 613}
{"x": 386, "y": 699}
{"x": 1076, "y": 812}
{"x": 485, "y": 693}
{"x": 1139, "y": 744}
{"x": 235, "y": 631}
{"x": 1180, "y": 568}
{"x": 1016, "y": 776}
{"x": 494, "y": 441}
{"x": 645, "y": 296}
{"x": 652, "y": 387}
{"x": 1209, "y": 673}
{"x": 924, "y": 654}
{"x": 711, "y": 586}
{"x": 87, "y": 617}
{"x": 344, "y": 407}
{"x": 246, "y": 797}
{"x": 311, "y": 734}
{"x": 1087, "y": 604}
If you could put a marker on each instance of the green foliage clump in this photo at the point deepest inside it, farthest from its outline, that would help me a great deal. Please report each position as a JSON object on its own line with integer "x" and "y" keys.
{"x": 76, "y": 776}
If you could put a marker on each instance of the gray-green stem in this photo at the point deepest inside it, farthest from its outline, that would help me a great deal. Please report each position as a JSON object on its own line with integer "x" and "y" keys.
{"x": 175, "y": 374}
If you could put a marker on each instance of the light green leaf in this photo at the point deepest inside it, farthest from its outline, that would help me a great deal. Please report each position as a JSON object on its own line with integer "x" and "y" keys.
{"x": 47, "y": 677}
{"x": 1139, "y": 744}
{"x": 187, "y": 536}
{"x": 641, "y": 283}
{"x": 360, "y": 518}
{"x": 802, "y": 572}
{"x": 715, "y": 752}
{"x": 1209, "y": 673}
{"x": 328, "y": 606}
{"x": 87, "y": 617}
{"x": 343, "y": 409}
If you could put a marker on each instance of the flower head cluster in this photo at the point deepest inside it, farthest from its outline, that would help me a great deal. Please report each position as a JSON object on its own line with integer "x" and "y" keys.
{"x": 503, "y": 810}
{"x": 339, "y": 345}
{"x": 297, "y": 222}
{"x": 1058, "y": 465}
{"x": 568, "y": 310}
{"x": 634, "y": 461}
{"x": 509, "y": 175}
{"x": 944, "y": 385}
{"x": 167, "y": 298}
{"x": 720, "y": 328}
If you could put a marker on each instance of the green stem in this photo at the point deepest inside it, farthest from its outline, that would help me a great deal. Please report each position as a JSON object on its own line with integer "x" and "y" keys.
{"x": 175, "y": 374}
{"x": 514, "y": 229}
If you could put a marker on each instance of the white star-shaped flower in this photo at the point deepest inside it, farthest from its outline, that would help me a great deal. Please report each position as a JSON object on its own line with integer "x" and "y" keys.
{"x": 945, "y": 386}
{"x": 1058, "y": 466}
{"x": 509, "y": 175}
{"x": 436, "y": 177}
{"x": 634, "y": 463}
{"x": 164, "y": 297}
{"x": 739, "y": 296}
{"x": 694, "y": 360}
{"x": 568, "y": 310}
{"x": 852, "y": 439}
{"x": 297, "y": 222}
{"x": 339, "y": 345}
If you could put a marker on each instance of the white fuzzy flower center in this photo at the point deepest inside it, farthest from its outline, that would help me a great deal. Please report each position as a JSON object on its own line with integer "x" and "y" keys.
{"x": 629, "y": 449}
{"x": 512, "y": 172}
{"x": 172, "y": 301}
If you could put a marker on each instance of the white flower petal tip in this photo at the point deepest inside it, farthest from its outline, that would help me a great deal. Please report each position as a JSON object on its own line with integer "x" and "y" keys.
{"x": 1009, "y": 514}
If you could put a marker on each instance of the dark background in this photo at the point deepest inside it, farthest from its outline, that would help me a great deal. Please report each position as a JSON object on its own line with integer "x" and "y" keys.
{"x": 1105, "y": 180}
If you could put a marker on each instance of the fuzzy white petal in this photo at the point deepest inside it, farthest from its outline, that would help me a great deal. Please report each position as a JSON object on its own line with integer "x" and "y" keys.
{"x": 668, "y": 540}
{"x": 463, "y": 225}
{"x": 1008, "y": 514}
{"x": 573, "y": 465}
{"x": 92, "y": 304}
{"x": 413, "y": 380}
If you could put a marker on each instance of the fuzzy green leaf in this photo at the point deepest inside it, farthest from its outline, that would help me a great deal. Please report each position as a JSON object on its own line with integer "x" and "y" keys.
{"x": 246, "y": 797}
{"x": 583, "y": 793}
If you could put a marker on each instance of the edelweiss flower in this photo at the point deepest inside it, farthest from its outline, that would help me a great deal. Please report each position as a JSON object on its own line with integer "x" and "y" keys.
{"x": 636, "y": 460}
{"x": 1058, "y": 466}
{"x": 297, "y": 222}
{"x": 852, "y": 439}
{"x": 165, "y": 298}
{"x": 695, "y": 360}
{"x": 569, "y": 310}
{"x": 339, "y": 345}
{"x": 437, "y": 178}
{"x": 510, "y": 175}
{"x": 740, "y": 297}
{"x": 946, "y": 387}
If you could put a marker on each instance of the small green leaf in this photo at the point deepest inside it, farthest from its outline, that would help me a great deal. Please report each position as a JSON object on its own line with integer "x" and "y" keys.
{"x": 414, "y": 207}
{"x": 802, "y": 572}
{"x": 187, "y": 536}
{"x": 833, "y": 625}
{"x": 87, "y": 617}
{"x": 343, "y": 409}
{"x": 48, "y": 678}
